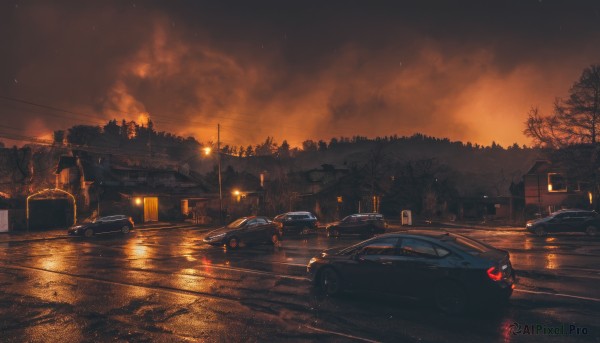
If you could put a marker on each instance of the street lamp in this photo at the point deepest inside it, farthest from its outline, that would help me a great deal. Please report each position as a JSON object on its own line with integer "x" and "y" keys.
{"x": 207, "y": 151}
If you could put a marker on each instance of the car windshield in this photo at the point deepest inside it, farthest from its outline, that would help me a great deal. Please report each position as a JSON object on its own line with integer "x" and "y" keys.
{"x": 237, "y": 223}
{"x": 348, "y": 218}
{"x": 349, "y": 250}
{"x": 99, "y": 219}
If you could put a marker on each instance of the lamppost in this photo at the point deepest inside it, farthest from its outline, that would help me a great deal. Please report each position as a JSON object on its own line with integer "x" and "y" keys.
{"x": 207, "y": 151}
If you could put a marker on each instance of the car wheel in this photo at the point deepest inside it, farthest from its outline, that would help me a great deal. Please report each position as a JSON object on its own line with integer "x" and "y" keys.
{"x": 591, "y": 230}
{"x": 540, "y": 231}
{"x": 451, "y": 298}
{"x": 330, "y": 281}
{"x": 233, "y": 243}
{"x": 125, "y": 229}
{"x": 88, "y": 233}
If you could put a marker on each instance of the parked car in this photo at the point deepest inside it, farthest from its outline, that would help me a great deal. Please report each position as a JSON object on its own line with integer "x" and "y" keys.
{"x": 103, "y": 225}
{"x": 247, "y": 230}
{"x": 566, "y": 221}
{"x": 297, "y": 222}
{"x": 452, "y": 270}
{"x": 366, "y": 224}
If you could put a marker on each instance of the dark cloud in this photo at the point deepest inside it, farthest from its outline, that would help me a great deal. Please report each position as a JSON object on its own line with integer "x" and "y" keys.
{"x": 466, "y": 70}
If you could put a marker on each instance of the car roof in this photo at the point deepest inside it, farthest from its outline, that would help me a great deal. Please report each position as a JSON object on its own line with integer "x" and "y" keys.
{"x": 572, "y": 210}
{"x": 427, "y": 234}
{"x": 298, "y": 212}
{"x": 252, "y": 217}
{"x": 115, "y": 216}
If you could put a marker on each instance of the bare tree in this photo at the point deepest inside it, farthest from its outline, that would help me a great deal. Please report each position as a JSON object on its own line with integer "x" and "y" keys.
{"x": 576, "y": 120}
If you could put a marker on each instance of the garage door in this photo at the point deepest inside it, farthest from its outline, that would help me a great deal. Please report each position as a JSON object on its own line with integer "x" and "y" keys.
{"x": 150, "y": 209}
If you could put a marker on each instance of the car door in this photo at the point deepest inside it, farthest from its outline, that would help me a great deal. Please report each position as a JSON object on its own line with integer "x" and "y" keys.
{"x": 371, "y": 266}
{"x": 245, "y": 232}
{"x": 263, "y": 230}
{"x": 559, "y": 223}
{"x": 418, "y": 266}
{"x": 589, "y": 219}
{"x": 352, "y": 225}
{"x": 579, "y": 221}
{"x": 113, "y": 224}
{"x": 103, "y": 224}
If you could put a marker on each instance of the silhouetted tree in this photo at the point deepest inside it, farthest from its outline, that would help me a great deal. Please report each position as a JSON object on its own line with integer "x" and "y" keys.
{"x": 309, "y": 145}
{"x": 322, "y": 145}
{"x": 58, "y": 137}
{"x": 266, "y": 148}
{"x": 284, "y": 150}
{"x": 112, "y": 129}
{"x": 83, "y": 134}
{"x": 249, "y": 152}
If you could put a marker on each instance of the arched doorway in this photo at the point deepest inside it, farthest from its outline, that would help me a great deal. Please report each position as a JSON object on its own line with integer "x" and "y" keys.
{"x": 51, "y": 208}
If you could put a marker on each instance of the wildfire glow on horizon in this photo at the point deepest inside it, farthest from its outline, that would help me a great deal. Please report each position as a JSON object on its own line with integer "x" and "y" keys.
{"x": 277, "y": 69}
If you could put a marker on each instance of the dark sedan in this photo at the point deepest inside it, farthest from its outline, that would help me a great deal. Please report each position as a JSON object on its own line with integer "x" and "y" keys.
{"x": 103, "y": 225}
{"x": 364, "y": 224}
{"x": 452, "y": 270}
{"x": 566, "y": 221}
{"x": 246, "y": 230}
{"x": 297, "y": 222}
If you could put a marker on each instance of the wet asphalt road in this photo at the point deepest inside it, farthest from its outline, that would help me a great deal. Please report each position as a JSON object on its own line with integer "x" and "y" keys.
{"x": 166, "y": 286}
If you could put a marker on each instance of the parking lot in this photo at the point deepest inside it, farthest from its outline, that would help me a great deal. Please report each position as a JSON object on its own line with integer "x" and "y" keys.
{"x": 164, "y": 284}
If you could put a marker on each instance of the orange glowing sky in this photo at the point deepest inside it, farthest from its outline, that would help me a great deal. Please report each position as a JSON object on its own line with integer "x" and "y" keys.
{"x": 294, "y": 70}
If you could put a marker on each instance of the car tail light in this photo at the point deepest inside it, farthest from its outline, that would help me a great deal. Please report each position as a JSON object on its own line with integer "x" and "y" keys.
{"x": 494, "y": 273}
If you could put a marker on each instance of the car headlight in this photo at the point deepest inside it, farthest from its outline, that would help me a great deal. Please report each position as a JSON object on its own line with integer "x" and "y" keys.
{"x": 529, "y": 225}
{"x": 312, "y": 260}
{"x": 221, "y": 235}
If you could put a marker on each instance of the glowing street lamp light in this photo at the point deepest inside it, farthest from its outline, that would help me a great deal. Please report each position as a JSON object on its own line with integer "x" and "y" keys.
{"x": 237, "y": 194}
{"x": 207, "y": 150}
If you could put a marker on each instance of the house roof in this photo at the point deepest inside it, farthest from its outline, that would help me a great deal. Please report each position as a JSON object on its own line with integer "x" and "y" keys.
{"x": 540, "y": 166}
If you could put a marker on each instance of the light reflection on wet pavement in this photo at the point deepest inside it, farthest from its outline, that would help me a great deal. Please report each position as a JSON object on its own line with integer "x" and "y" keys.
{"x": 165, "y": 285}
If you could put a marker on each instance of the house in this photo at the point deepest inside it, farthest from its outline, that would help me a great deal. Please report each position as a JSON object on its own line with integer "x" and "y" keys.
{"x": 106, "y": 185}
{"x": 547, "y": 189}
{"x": 332, "y": 192}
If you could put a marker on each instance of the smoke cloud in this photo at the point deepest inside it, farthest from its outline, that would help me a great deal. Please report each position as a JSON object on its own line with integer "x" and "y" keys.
{"x": 294, "y": 71}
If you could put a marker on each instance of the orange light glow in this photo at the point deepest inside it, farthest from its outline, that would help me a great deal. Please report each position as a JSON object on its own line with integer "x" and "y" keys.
{"x": 207, "y": 150}
{"x": 143, "y": 119}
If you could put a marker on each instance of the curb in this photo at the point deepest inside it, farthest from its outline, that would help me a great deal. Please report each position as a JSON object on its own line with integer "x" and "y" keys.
{"x": 63, "y": 235}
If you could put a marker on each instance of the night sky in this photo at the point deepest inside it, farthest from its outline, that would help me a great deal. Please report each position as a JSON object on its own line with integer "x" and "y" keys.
{"x": 295, "y": 70}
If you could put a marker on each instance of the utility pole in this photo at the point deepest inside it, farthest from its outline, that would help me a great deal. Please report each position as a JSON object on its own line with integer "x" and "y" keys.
{"x": 219, "y": 170}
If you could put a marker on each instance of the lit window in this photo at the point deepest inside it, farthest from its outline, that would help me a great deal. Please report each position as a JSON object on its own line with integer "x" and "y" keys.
{"x": 556, "y": 183}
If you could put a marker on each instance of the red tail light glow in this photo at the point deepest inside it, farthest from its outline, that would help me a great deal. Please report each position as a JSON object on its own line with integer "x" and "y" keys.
{"x": 494, "y": 273}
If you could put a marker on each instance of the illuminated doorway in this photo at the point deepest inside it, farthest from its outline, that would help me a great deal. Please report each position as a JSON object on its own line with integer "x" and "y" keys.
{"x": 151, "y": 209}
